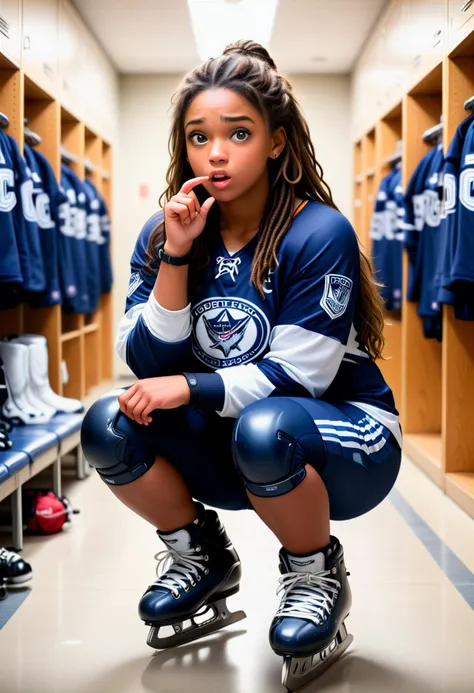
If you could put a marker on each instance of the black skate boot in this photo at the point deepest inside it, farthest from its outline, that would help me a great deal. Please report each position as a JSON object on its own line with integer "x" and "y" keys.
{"x": 204, "y": 571}
{"x": 13, "y": 569}
{"x": 3, "y": 589}
{"x": 308, "y": 629}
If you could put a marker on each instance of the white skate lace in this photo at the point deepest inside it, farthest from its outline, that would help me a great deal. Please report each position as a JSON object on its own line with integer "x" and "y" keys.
{"x": 183, "y": 570}
{"x": 307, "y": 595}
{"x": 8, "y": 557}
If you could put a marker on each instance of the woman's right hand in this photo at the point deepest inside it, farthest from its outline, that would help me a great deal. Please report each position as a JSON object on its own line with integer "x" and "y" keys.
{"x": 185, "y": 218}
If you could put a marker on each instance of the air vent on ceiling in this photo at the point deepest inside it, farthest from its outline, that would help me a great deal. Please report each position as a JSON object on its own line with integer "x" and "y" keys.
{"x": 4, "y": 26}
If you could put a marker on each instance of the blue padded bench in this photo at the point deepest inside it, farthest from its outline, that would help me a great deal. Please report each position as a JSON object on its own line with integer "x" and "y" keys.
{"x": 3, "y": 473}
{"x": 15, "y": 463}
{"x": 14, "y": 460}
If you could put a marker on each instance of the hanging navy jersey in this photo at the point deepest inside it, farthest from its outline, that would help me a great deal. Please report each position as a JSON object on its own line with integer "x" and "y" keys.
{"x": 386, "y": 236}
{"x": 26, "y": 227}
{"x": 300, "y": 340}
{"x": 74, "y": 225}
{"x": 414, "y": 221}
{"x": 430, "y": 239}
{"x": 47, "y": 233}
{"x": 462, "y": 266}
{"x": 10, "y": 268}
{"x": 57, "y": 199}
{"x": 106, "y": 274}
{"x": 94, "y": 242}
{"x": 449, "y": 213}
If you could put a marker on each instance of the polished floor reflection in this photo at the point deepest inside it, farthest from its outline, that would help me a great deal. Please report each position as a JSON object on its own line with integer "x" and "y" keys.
{"x": 78, "y": 630}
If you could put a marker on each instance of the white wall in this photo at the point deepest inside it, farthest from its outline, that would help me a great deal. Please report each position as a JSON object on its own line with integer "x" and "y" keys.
{"x": 142, "y": 155}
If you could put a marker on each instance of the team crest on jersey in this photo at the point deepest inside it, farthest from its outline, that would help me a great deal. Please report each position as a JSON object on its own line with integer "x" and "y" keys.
{"x": 228, "y": 331}
{"x": 228, "y": 265}
{"x": 337, "y": 291}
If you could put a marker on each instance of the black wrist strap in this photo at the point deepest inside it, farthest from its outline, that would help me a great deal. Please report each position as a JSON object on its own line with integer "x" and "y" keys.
{"x": 176, "y": 260}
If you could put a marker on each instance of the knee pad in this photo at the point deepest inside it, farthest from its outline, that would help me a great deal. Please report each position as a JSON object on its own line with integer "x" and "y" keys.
{"x": 272, "y": 441}
{"x": 116, "y": 446}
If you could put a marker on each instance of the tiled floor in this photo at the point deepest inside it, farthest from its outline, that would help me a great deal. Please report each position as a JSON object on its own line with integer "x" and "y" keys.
{"x": 78, "y": 630}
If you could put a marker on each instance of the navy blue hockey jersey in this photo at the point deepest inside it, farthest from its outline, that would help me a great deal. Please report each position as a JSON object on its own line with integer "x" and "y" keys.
{"x": 461, "y": 273}
{"x": 74, "y": 226}
{"x": 10, "y": 267}
{"x": 386, "y": 235}
{"x": 106, "y": 274}
{"x": 422, "y": 220}
{"x": 57, "y": 201}
{"x": 93, "y": 242}
{"x": 26, "y": 227}
{"x": 301, "y": 340}
{"x": 47, "y": 233}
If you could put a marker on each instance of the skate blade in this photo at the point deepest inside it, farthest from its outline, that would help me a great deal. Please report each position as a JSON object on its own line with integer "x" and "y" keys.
{"x": 298, "y": 672}
{"x": 221, "y": 618}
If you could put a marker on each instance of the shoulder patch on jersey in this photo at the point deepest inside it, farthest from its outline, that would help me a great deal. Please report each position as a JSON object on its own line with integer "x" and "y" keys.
{"x": 135, "y": 281}
{"x": 337, "y": 291}
{"x": 469, "y": 159}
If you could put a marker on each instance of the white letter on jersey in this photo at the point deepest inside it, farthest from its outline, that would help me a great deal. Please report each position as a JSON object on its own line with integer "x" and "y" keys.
{"x": 449, "y": 194}
{"x": 43, "y": 212}
{"x": 29, "y": 210}
{"x": 466, "y": 188}
{"x": 93, "y": 229}
{"x": 66, "y": 227}
{"x": 7, "y": 197}
{"x": 432, "y": 208}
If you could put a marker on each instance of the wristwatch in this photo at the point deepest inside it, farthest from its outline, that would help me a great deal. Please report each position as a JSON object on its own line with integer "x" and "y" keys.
{"x": 177, "y": 260}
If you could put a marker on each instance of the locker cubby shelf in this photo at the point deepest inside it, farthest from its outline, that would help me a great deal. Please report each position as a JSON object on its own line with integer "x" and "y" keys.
{"x": 425, "y": 449}
{"x": 67, "y": 336}
{"x": 70, "y": 336}
{"x": 432, "y": 382}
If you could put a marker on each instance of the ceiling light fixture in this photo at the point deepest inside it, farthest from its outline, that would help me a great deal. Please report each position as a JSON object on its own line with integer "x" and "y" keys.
{"x": 219, "y": 22}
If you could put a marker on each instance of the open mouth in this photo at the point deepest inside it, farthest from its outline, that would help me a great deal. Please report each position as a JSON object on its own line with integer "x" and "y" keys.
{"x": 220, "y": 181}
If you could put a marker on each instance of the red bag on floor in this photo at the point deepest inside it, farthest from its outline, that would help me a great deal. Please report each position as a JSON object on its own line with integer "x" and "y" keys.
{"x": 45, "y": 512}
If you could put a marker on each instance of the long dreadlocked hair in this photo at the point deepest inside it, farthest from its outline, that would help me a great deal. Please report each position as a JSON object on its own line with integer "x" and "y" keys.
{"x": 246, "y": 68}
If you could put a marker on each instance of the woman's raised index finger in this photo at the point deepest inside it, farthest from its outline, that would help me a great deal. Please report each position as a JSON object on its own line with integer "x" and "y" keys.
{"x": 190, "y": 184}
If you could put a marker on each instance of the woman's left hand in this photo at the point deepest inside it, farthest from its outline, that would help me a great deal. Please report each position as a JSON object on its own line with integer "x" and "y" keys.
{"x": 168, "y": 392}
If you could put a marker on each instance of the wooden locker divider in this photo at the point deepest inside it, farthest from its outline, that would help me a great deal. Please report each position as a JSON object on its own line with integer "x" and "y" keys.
{"x": 93, "y": 323}
{"x": 358, "y": 179}
{"x": 92, "y": 362}
{"x": 72, "y": 337}
{"x": 368, "y": 171}
{"x": 106, "y": 302}
{"x": 458, "y": 335}
{"x": 43, "y": 114}
{"x": 421, "y": 358}
{"x": 388, "y": 133}
{"x": 11, "y": 104}
{"x": 72, "y": 348}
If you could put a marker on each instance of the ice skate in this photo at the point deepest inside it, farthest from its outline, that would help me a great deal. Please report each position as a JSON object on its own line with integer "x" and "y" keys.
{"x": 13, "y": 569}
{"x": 308, "y": 630}
{"x": 190, "y": 597}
